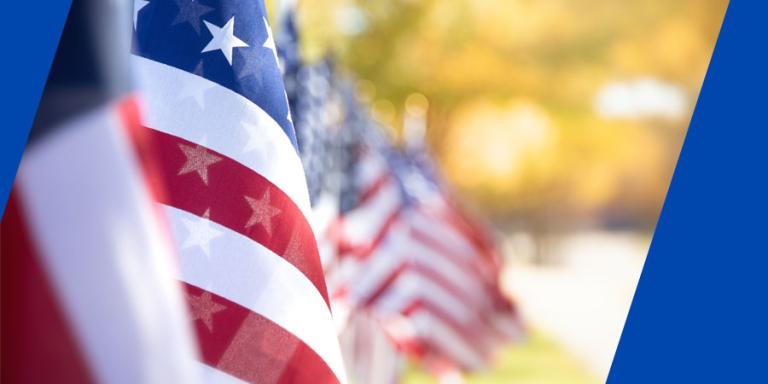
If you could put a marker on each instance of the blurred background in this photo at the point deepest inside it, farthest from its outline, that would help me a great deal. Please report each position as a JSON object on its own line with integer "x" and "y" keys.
{"x": 560, "y": 120}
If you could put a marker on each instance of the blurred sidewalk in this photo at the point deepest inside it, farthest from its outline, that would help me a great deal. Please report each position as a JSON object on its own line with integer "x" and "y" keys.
{"x": 581, "y": 300}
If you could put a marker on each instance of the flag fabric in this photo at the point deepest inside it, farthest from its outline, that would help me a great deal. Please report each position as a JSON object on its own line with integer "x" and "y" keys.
{"x": 405, "y": 254}
{"x": 369, "y": 354}
{"x": 86, "y": 258}
{"x": 440, "y": 226}
{"x": 314, "y": 106}
{"x": 219, "y": 127}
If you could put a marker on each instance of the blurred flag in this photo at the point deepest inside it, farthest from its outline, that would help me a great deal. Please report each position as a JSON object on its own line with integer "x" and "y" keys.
{"x": 369, "y": 353}
{"x": 403, "y": 256}
{"x": 314, "y": 107}
{"x": 85, "y": 258}
{"x": 440, "y": 226}
{"x": 218, "y": 123}
{"x": 410, "y": 266}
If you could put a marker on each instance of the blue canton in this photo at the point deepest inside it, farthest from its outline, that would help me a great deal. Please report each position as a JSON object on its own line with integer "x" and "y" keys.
{"x": 177, "y": 32}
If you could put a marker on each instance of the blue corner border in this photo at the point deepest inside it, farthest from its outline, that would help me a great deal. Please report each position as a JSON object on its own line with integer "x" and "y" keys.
{"x": 699, "y": 314}
{"x": 31, "y": 32}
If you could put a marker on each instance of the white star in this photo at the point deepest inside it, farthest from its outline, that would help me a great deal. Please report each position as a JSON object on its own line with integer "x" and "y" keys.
{"x": 137, "y": 6}
{"x": 255, "y": 138}
{"x": 198, "y": 160}
{"x": 196, "y": 90}
{"x": 269, "y": 43}
{"x": 223, "y": 39}
{"x": 294, "y": 249}
{"x": 288, "y": 106}
{"x": 263, "y": 212}
{"x": 200, "y": 233}
{"x": 203, "y": 308}
{"x": 190, "y": 11}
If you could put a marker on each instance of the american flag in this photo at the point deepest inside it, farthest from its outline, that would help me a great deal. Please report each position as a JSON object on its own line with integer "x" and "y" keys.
{"x": 315, "y": 108}
{"x": 234, "y": 190}
{"x": 313, "y": 105}
{"x": 368, "y": 352}
{"x": 440, "y": 225}
{"x": 85, "y": 258}
{"x": 406, "y": 253}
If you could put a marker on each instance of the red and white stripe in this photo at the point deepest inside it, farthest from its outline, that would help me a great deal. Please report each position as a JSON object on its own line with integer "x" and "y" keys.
{"x": 371, "y": 356}
{"x": 86, "y": 264}
{"x": 414, "y": 265}
{"x": 360, "y": 231}
{"x": 444, "y": 300}
{"x": 255, "y": 283}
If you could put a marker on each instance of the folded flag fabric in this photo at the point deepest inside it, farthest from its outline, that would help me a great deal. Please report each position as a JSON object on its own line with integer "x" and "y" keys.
{"x": 221, "y": 137}
{"x": 86, "y": 258}
{"x": 407, "y": 253}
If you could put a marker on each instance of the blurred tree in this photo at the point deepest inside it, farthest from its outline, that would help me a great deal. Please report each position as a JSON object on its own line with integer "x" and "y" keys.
{"x": 481, "y": 62}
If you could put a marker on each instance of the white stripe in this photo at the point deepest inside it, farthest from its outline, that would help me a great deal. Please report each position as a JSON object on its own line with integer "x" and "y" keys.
{"x": 103, "y": 249}
{"x": 428, "y": 258}
{"x": 411, "y": 286}
{"x": 343, "y": 272}
{"x": 324, "y": 213}
{"x": 395, "y": 249}
{"x": 370, "y": 169}
{"x": 243, "y": 271}
{"x": 440, "y": 231}
{"x": 369, "y": 351}
{"x": 363, "y": 224}
{"x": 212, "y": 375}
{"x": 446, "y": 338}
{"x": 220, "y": 125}
{"x": 373, "y": 273}
{"x": 508, "y": 326}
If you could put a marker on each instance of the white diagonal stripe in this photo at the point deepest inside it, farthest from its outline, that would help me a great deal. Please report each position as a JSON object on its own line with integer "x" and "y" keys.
{"x": 228, "y": 113}
{"x": 212, "y": 375}
{"x": 363, "y": 224}
{"x": 103, "y": 249}
{"x": 411, "y": 286}
{"x": 243, "y": 271}
{"x": 446, "y": 339}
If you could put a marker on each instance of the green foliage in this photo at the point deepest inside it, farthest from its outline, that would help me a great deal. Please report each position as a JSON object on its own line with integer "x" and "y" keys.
{"x": 536, "y": 361}
{"x": 552, "y": 55}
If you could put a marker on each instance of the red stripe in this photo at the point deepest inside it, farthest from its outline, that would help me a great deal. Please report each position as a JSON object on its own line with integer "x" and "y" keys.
{"x": 425, "y": 272}
{"x": 474, "y": 306}
{"x": 486, "y": 278}
{"x": 374, "y": 188}
{"x": 386, "y": 284}
{"x": 37, "y": 342}
{"x": 340, "y": 293}
{"x": 230, "y": 190}
{"x": 487, "y": 272}
{"x": 483, "y": 304}
{"x": 480, "y": 237}
{"x": 472, "y": 302}
{"x": 471, "y": 335}
{"x": 449, "y": 254}
{"x": 475, "y": 332}
{"x": 248, "y": 346}
{"x": 130, "y": 117}
{"x": 141, "y": 139}
{"x": 490, "y": 291}
{"x": 363, "y": 251}
{"x": 478, "y": 309}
